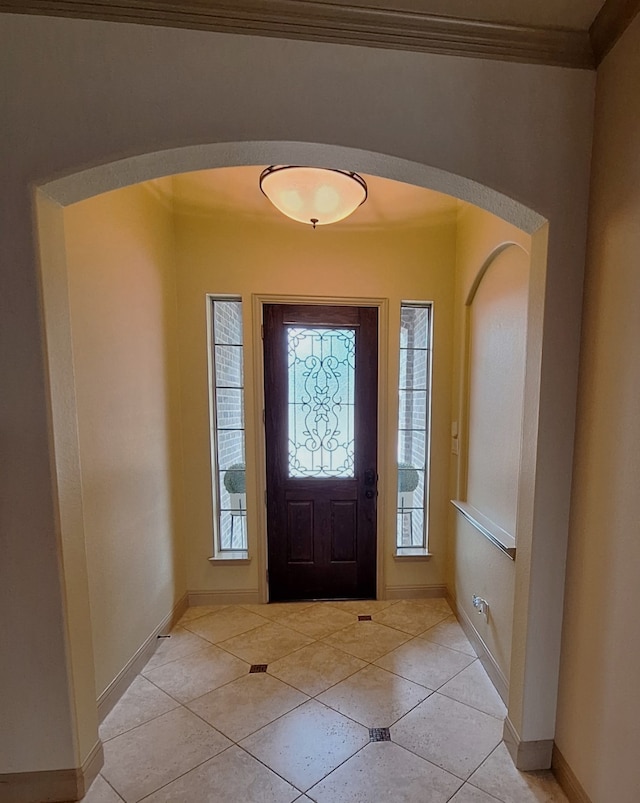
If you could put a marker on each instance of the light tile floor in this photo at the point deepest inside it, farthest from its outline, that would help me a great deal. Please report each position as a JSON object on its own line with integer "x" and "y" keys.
{"x": 197, "y": 727}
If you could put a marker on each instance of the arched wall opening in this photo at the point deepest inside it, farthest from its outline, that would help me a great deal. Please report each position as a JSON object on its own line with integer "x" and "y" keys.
{"x": 488, "y": 408}
{"x": 52, "y": 197}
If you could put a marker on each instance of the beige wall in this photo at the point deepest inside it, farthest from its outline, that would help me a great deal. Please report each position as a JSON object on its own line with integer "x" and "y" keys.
{"x": 244, "y": 256}
{"x": 120, "y": 261}
{"x": 497, "y": 331}
{"x": 80, "y": 94}
{"x": 598, "y": 727}
{"x": 487, "y": 404}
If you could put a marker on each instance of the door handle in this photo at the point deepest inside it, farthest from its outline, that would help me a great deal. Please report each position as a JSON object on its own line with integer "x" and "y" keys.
{"x": 370, "y": 477}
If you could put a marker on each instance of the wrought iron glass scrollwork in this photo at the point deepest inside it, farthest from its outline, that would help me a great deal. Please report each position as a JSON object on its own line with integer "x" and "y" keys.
{"x": 321, "y": 367}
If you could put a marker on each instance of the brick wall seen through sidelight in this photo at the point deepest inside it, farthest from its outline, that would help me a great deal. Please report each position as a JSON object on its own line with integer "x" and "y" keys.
{"x": 229, "y": 417}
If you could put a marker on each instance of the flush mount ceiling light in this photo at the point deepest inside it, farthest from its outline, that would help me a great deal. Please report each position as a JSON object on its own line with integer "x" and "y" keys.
{"x": 315, "y": 195}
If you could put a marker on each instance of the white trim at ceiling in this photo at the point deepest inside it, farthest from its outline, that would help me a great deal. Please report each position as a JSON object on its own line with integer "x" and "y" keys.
{"x": 340, "y": 24}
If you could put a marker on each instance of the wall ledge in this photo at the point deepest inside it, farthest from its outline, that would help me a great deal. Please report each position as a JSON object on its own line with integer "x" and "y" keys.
{"x": 237, "y": 558}
{"x": 493, "y": 532}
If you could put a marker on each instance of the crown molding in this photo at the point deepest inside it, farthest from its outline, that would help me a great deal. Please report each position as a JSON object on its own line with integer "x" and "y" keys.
{"x": 613, "y": 19}
{"x": 340, "y": 24}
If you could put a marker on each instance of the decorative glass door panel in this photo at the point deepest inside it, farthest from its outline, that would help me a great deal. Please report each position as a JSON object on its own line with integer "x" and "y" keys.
{"x": 321, "y": 380}
{"x": 321, "y": 447}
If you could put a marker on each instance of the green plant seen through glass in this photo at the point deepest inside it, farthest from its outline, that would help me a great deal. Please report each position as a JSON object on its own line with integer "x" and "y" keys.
{"x": 408, "y": 477}
{"x": 235, "y": 479}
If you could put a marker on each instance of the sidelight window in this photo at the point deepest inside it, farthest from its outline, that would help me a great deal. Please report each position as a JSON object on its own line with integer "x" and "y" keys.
{"x": 226, "y": 382}
{"x": 414, "y": 391}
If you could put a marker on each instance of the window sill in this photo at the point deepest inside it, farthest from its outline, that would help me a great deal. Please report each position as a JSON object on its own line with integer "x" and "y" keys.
{"x": 236, "y": 558}
{"x": 412, "y": 555}
{"x": 500, "y": 538}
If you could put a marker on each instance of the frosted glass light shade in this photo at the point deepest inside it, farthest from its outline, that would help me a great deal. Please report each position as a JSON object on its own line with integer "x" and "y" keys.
{"x": 314, "y": 195}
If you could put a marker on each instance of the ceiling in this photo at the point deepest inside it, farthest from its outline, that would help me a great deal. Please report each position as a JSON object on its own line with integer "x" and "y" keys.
{"x": 235, "y": 190}
{"x": 574, "y": 14}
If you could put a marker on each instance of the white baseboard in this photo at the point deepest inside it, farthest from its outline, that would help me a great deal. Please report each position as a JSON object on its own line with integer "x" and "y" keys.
{"x": 414, "y": 592}
{"x": 496, "y": 675}
{"x": 34, "y": 787}
{"x": 125, "y": 677}
{"x": 252, "y": 596}
{"x": 224, "y": 597}
{"x": 91, "y": 766}
{"x": 565, "y": 776}
{"x": 527, "y": 756}
{"x": 52, "y": 785}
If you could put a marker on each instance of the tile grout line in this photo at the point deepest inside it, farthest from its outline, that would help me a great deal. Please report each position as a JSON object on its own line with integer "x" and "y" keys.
{"x": 316, "y": 638}
{"x": 271, "y": 722}
{"x": 343, "y": 649}
{"x": 186, "y": 704}
{"x": 179, "y": 658}
{"x": 321, "y": 638}
{"x": 315, "y": 696}
{"x": 180, "y": 775}
{"x": 452, "y": 676}
{"x": 297, "y": 649}
{"x": 455, "y": 676}
{"x": 466, "y": 783}
{"x": 417, "y": 683}
{"x": 227, "y": 683}
{"x": 478, "y": 767}
{"x": 111, "y": 787}
{"x": 475, "y": 708}
{"x": 133, "y": 727}
{"x": 324, "y": 777}
{"x": 311, "y": 697}
{"x": 415, "y": 635}
{"x": 237, "y": 744}
{"x": 473, "y": 654}
{"x": 313, "y": 640}
{"x": 268, "y": 724}
{"x": 186, "y": 772}
{"x": 275, "y": 772}
{"x": 433, "y": 764}
{"x": 179, "y": 704}
{"x": 451, "y": 772}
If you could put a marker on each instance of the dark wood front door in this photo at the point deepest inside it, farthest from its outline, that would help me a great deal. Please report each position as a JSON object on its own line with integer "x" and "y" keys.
{"x": 321, "y": 412}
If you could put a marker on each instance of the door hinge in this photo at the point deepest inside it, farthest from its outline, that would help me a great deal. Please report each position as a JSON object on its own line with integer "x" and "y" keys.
{"x": 265, "y": 498}
{"x": 262, "y": 331}
{"x": 264, "y": 417}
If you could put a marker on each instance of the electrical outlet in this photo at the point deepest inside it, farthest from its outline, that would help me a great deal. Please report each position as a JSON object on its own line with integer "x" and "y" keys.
{"x": 482, "y": 606}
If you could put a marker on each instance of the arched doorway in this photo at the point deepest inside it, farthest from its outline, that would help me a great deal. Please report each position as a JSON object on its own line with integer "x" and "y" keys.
{"x": 61, "y": 192}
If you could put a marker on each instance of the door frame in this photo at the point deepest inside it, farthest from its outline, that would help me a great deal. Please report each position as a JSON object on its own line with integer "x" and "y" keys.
{"x": 258, "y": 300}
